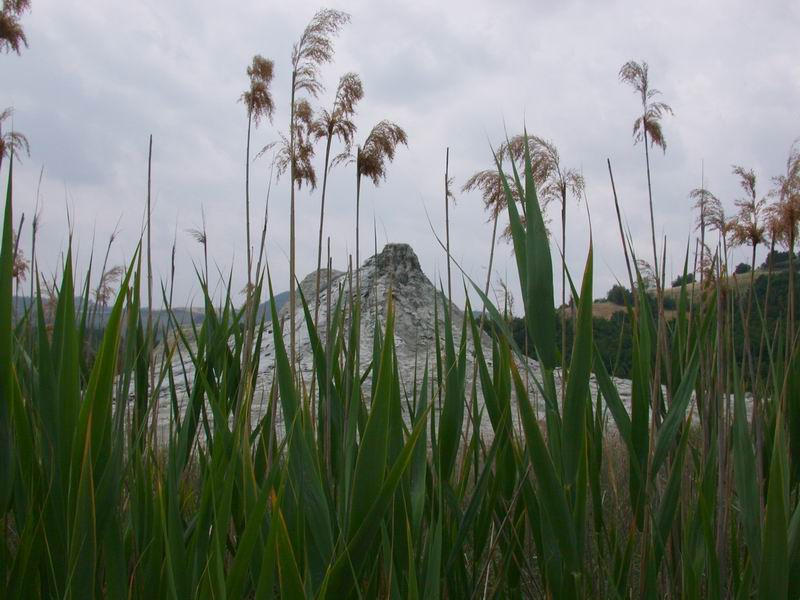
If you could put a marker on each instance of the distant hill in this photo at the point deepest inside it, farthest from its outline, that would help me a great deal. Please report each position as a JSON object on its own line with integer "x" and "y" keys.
{"x": 183, "y": 315}
{"x": 280, "y": 300}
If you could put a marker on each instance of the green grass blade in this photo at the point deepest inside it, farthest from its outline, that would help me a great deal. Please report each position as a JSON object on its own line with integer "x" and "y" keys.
{"x": 539, "y": 297}
{"x": 339, "y": 579}
{"x": 577, "y": 392}
{"x": 676, "y": 414}
{"x": 6, "y": 350}
{"x": 452, "y": 415}
{"x": 745, "y": 478}
{"x": 551, "y": 492}
{"x": 774, "y": 579}
{"x": 373, "y": 452}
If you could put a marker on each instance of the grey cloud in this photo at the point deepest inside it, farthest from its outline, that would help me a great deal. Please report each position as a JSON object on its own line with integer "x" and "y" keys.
{"x": 99, "y": 77}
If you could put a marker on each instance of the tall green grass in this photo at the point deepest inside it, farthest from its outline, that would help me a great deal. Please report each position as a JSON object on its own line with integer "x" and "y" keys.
{"x": 336, "y": 492}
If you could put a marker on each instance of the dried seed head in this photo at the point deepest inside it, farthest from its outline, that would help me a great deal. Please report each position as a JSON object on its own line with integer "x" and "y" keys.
{"x": 258, "y": 98}
{"x": 649, "y": 124}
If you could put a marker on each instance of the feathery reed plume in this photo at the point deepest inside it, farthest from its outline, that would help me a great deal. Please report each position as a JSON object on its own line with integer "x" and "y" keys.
{"x": 646, "y": 272}
{"x": 258, "y": 98}
{"x": 296, "y": 158}
{"x": 726, "y": 227}
{"x": 336, "y": 123}
{"x": 99, "y": 293}
{"x": 315, "y": 48}
{"x": 12, "y": 37}
{"x": 312, "y": 50}
{"x": 785, "y": 215}
{"x": 198, "y": 235}
{"x": 20, "y": 265}
{"x": 379, "y": 150}
{"x": 372, "y": 159}
{"x": 260, "y": 105}
{"x": 717, "y": 219}
{"x": 708, "y": 267}
{"x": 772, "y": 230}
{"x": 490, "y": 183}
{"x": 514, "y": 149}
{"x": 105, "y": 289}
{"x": 51, "y": 301}
{"x": 505, "y": 298}
{"x": 713, "y": 213}
{"x": 554, "y": 182}
{"x": 201, "y": 237}
{"x": 748, "y": 226}
{"x": 786, "y": 209}
{"x": 705, "y": 203}
{"x": 647, "y": 127}
{"x": 649, "y": 124}
{"x": 11, "y": 142}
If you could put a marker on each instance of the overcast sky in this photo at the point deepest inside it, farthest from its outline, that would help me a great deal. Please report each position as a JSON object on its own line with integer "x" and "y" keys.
{"x": 101, "y": 75}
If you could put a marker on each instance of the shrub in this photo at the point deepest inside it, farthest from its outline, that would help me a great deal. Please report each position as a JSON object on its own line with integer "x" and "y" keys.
{"x": 778, "y": 261}
{"x": 619, "y": 295}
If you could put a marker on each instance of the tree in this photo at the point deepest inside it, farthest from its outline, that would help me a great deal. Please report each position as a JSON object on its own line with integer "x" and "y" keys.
{"x": 619, "y": 295}
{"x": 338, "y": 123}
{"x": 260, "y": 105}
{"x": 775, "y": 259}
{"x": 313, "y": 49}
{"x": 12, "y": 37}
{"x": 11, "y": 142}
{"x": 372, "y": 158}
{"x": 683, "y": 280}
{"x": 647, "y": 127}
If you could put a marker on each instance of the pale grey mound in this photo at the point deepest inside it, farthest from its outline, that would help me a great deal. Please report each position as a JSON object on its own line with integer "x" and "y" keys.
{"x": 418, "y": 306}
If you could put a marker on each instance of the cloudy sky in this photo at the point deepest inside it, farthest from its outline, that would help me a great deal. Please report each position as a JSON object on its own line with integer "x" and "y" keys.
{"x": 101, "y": 75}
